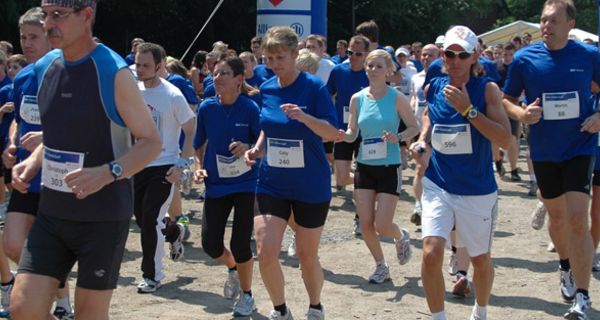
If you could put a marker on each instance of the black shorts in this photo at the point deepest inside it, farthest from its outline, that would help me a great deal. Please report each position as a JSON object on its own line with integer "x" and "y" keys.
{"x": 345, "y": 150}
{"x": 54, "y": 245}
{"x": 556, "y": 178}
{"x": 307, "y": 215}
{"x": 328, "y": 147}
{"x": 515, "y": 127}
{"x": 596, "y": 179}
{"x": 27, "y": 203}
{"x": 382, "y": 179}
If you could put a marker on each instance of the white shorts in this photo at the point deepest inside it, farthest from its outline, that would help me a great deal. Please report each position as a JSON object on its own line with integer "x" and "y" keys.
{"x": 473, "y": 216}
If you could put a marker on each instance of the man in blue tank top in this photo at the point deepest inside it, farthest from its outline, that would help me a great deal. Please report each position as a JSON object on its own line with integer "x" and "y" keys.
{"x": 556, "y": 76}
{"x": 89, "y": 106}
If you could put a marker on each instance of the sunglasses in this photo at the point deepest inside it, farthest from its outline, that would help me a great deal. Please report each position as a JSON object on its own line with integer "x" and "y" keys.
{"x": 358, "y": 54}
{"x": 461, "y": 54}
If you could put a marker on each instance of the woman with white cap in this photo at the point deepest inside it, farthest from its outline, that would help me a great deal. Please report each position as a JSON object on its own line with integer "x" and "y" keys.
{"x": 465, "y": 115}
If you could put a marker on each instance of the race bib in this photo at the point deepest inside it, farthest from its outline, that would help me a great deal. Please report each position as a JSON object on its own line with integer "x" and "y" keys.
{"x": 452, "y": 139}
{"x": 29, "y": 110}
{"x": 282, "y": 153}
{"x": 560, "y": 105}
{"x": 346, "y": 114}
{"x": 374, "y": 149}
{"x": 231, "y": 167}
{"x": 56, "y": 165}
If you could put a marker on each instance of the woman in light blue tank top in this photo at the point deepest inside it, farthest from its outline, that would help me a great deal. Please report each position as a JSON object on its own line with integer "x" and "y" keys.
{"x": 376, "y": 112}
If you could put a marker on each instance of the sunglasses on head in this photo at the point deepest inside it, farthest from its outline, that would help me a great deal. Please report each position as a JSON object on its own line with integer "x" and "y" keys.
{"x": 358, "y": 54}
{"x": 461, "y": 54}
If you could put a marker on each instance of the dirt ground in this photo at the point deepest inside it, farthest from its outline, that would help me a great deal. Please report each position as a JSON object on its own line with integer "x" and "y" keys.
{"x": 525, "y": 287}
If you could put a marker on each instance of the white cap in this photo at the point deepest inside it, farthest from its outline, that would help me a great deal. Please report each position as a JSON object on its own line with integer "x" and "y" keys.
{"x": 403, "y": 51}
{"x": 439, "y": 40}
{"x": 463, "y": 37}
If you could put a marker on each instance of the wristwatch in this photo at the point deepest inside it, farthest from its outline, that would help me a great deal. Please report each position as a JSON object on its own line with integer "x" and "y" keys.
{"x": 472, "y": 114}
{"x": 116, "y": 170}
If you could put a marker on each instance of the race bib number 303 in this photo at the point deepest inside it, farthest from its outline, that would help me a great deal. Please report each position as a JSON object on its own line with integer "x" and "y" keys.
{"x": 282, "y": 153}
{"x": 452, "y": 139}
{"x": 56, "y": 164}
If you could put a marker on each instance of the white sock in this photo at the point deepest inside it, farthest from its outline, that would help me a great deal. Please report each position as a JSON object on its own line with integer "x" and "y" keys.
{"x": 532, "y": 177}
{"x": 64, "y": 303}
{"x": 479, "y": 311}
{"x": 381, "y": 263}
{"x": 418, "y": 205}
{"x": 438, "y": 315}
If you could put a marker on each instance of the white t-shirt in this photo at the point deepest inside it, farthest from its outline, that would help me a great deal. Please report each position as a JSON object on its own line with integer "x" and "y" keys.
{"x": 169, "y": 111}
{"x": 325, "y": 67}
{"x": 407, "y": 73}
{"x": 417, "y": 91}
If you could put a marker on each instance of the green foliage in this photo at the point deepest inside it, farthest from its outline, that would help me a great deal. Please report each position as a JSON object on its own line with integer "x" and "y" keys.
{"x": 530, "y": 10}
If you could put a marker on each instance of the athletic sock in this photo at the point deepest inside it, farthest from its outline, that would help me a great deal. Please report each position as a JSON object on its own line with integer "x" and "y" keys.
{"x": 438, "y": 315}
{"x": 454, "y": 249}
{"x": 316, "y": 306}
{"x": 232, "y": 269}
{"x": 461, "y": 273}
{"x": 282, "y": 308}
{"x": 248, "y": 293}
{"x": 565, "y": 265}
{"x": 584, "y": 292}
{"x": 12, "y": 281}
{"x": 479, "y": 311}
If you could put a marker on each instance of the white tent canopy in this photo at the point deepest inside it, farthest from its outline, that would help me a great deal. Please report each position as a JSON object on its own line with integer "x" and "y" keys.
{"x": 519, "y": 28}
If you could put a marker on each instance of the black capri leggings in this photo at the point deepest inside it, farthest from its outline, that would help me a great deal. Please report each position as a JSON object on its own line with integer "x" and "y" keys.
{"x": 216, "y": 213}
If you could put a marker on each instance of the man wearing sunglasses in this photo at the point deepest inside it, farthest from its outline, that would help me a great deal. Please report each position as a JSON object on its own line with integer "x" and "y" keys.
{"x": 556, "y": 76}
{"x": 465, "y": 116}
{"x": 89, "y": 106}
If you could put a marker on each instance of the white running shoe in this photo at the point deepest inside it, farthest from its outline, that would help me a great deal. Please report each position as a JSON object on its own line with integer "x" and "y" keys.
{"x": 403, "y": 250}
{"x": 176, "y": 248}
{"x": 276, "y": 315}
{"x": 315, "y": 314}
{"x": 5, "y": 300}
{"x": 596, "y": 263}
{"x": 148, "y": 286}
{"x": 381, "y": 274}
{"x": 292, "y": 249}
{"x": 357, "y": 231}
{"x": 231, "y": 289}
{"x": 567, "y": 285}
{"x": 453, "y": 264}
{"x": 538, "y": 216}
{"x": 244, "y": 306}
{"x": 578, "y": 310}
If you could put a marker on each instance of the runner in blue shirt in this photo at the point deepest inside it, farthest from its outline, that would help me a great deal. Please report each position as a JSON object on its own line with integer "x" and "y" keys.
{"x": 464, "y": 116}
{"x": 556, "y": 75}
{"x": 297, "y": 115}
{"x": 227, "y": 127}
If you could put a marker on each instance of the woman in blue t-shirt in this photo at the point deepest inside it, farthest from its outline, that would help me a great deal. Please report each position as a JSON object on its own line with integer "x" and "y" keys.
{"x": 297, "y": 114}
{"x": 227, "y": 126}
{"x": 376, "y": 112}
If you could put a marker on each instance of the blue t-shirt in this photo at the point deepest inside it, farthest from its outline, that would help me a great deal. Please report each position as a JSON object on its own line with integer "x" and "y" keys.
{"x": 337, "y": 59}
{"x": 490, "y": 68}
{"x": 434, "y": 71}
{"x": 219, "y": 125}
{"x": 130, "y": 58}
{"x": 6, "y": 95}
{"x": 462, "y": 157}
{"x": 256, "y": 80}
{"x": 263, "y": 71}
{"x": 27, "y": 114}
{"x": 417, "y": 64}
{"x": 595, "y": 100}
{"x": 5, "y": 81}
{"x": 312, "y": 182}
{"x": 375, "y": 116}
{"x": 564, "y": 77}
{"x": 185, "y": 86}
{"x": 343, "y": 82}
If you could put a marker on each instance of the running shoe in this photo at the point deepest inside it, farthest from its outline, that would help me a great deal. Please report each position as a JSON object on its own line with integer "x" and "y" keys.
{"x": 403, "y": 250}
{"x": 5, "y": 300}
{"x": 231, "y": 289}
{"x": 185, "y": 221}
{"x": 62, "y": 314}
{"x": 148, "y": 286}
{"x": 416, "y": 216}
{"x": 476, "y": 317}
{"x": 567, "y": 285}
{"x": 596, "y": 264}
{"x": 453, "y": 264}
{"x": 291, "y": 252}
{"x": 514, "y": 175}
{"x": 532, "y": 189}
{"x": 3, "y": 211}
{"x": 315, "y": 314}
{"x": 357, "y": 231}
{"x": 176, "y": 248}
{"x": 276, "y": 315}
{"x": 244, "y": 306}
{"x": 578, "y": 310}
{"x": 538, "y": 216}
{"x": 500, "y": 168}
{"x": 551, "y": 247}
{"x": 461, "y": 288}
{"x": 381, "y": 274}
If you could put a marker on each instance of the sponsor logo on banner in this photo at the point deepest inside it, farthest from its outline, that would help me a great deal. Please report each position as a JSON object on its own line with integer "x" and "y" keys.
{"x": 284, "y": 4}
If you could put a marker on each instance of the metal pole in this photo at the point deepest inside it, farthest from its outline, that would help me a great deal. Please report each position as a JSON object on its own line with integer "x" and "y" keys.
{"x": 202, "y": 29}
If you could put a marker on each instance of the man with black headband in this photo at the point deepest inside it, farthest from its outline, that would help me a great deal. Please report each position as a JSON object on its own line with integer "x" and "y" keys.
{"x": 89, "y": 106}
